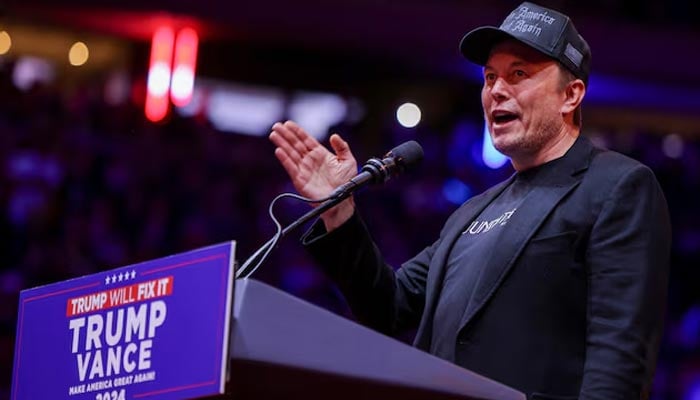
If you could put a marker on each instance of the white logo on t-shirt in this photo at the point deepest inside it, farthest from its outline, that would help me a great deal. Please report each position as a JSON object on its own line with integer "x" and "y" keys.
{"x": 478, "y": 227}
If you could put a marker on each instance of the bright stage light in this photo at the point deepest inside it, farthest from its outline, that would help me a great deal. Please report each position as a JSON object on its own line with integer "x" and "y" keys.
{"x": 184, "y": 67}
{"x": 159, "y": 73}
{"x": 78, "y": 54}
{"x": 5, "y": 42}
{"x": 408, "y": 115}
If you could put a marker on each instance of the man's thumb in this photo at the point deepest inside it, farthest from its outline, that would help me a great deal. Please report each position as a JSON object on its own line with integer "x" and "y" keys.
{"x": 340, "y": 146}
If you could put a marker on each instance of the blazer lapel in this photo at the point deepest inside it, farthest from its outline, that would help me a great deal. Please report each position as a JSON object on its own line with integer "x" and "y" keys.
{"x": 521, "y": 226}
{"x": 459, "y": 221}
{"x": 538, "y": 204}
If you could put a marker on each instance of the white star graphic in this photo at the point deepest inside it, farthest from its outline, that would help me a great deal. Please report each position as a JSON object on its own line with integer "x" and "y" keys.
{"x": 114, "y": 278}
{"x": 121, "y": 277}
{"x": 133, "y": 274}
{"x": 107, "y": 280}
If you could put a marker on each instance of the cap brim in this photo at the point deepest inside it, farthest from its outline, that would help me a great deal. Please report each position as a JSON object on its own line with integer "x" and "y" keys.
{"x": 476, "y": 45}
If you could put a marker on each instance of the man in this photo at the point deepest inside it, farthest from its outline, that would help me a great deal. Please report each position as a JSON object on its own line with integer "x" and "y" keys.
{"x": 554, "y": 281}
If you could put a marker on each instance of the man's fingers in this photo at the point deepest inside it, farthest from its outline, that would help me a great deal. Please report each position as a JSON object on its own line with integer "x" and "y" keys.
{"x": 281, "y": 143}
{"x": 341, "y": 147}
{"x": 287, "y": 162}
{"x": 291, "y": 138}
{"x": 309, "y": 142}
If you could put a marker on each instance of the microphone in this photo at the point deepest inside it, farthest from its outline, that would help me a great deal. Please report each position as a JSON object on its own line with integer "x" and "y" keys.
{"x": 401, "y": 158}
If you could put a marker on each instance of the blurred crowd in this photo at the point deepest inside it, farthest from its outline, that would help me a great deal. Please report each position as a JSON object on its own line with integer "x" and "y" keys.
{"x": 86, "y": 186}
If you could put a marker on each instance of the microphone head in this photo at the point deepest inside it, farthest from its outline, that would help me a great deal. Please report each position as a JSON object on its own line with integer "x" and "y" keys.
{"x": 407, "y": 155}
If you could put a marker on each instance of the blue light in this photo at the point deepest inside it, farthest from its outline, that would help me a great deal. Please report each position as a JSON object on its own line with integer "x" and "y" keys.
{"x": 473, "y": 72}
{"x": 456, "y": 191}
{"x": 690, "y": 329}
{"x": 492, "y": 157}
{"x": 619, "y": 91}
{"x": 693, "y": 391}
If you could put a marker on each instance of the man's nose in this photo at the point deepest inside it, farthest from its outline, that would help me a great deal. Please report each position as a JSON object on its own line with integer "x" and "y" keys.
{"x": 500, "y": 89}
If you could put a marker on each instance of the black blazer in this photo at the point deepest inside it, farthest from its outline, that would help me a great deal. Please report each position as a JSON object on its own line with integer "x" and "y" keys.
{"x": 571, "y": 302}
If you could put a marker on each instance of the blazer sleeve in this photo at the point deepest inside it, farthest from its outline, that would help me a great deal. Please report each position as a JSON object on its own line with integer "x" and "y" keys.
{"x": 386, "y": 300}
{"x": 628, "y": 265}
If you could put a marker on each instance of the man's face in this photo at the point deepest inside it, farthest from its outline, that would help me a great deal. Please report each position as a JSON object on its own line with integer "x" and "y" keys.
{"x": 522, "y": 99}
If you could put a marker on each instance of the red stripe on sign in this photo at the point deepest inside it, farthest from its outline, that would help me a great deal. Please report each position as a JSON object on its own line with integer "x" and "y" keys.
{"x": 119, "y": 296}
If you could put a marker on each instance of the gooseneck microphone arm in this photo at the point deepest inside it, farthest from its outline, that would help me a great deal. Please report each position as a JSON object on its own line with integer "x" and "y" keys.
{"x": 401, "y": 158}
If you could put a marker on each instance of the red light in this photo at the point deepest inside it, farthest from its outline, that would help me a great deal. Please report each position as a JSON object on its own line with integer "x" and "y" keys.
{"x": 159, "y": 73}
{"x": 184, "y": 67}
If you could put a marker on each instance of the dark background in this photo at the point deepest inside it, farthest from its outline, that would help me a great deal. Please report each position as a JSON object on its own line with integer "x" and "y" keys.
{"x": 88, "y": 184}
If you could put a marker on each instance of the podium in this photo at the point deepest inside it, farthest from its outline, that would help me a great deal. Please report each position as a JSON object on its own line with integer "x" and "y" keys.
{"x": 283, "y": 347}
{"x": 180, "y": 327}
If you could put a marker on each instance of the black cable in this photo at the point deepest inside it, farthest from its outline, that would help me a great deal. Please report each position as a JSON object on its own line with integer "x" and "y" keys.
{"x": 245, "y": 270}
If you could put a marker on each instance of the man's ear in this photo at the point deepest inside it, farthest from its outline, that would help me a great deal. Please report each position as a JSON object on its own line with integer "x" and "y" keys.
{"x": 575, "y": 90}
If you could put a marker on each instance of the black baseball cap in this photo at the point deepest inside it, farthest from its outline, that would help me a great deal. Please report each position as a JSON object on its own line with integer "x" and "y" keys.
{"x": 546, "y": 30}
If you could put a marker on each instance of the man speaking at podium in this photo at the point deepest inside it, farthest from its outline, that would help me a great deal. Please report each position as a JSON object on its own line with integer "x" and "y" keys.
{"x": 552, "y": 282}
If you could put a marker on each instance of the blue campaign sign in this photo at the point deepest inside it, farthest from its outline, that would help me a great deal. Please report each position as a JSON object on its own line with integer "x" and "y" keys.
{"x": 154, "y": 330}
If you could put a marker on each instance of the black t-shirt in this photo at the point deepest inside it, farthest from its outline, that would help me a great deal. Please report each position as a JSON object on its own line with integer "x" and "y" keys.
{"x": 470, "y": 254}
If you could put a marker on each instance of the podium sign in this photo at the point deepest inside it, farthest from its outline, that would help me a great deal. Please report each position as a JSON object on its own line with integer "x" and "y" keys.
{"x": 154, "y": 330}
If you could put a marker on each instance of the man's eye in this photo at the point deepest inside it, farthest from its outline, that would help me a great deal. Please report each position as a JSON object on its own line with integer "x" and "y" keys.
{"x": 519, "y": 73}
{"x": 490, "y": 77}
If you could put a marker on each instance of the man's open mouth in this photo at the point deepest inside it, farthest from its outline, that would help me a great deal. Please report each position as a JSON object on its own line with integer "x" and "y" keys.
{"x": 502, "y": 117}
